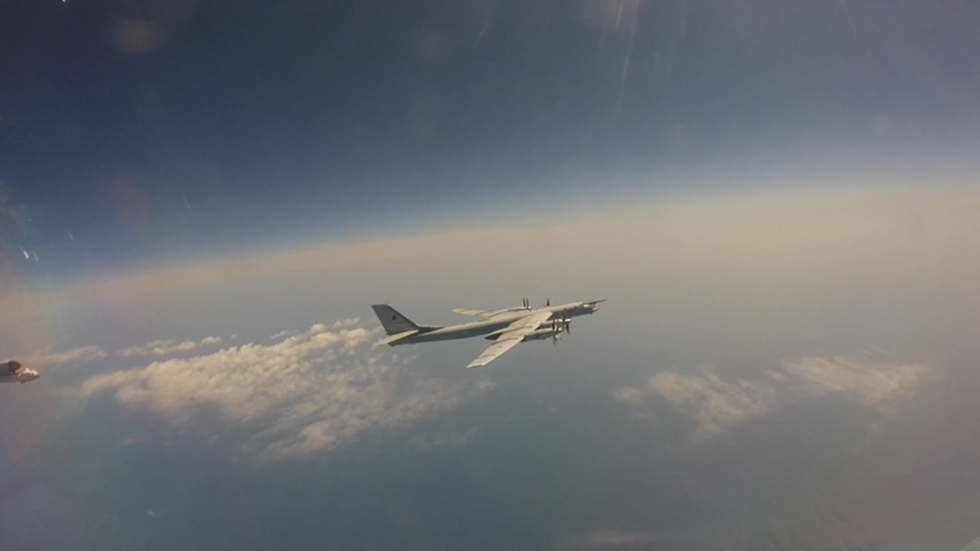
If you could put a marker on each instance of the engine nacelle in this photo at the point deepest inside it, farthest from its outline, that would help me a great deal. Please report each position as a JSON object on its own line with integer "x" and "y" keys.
{"x": 542, "y": 334}
{"x": 9, "y": 368}
{"x": 545, "y": 330}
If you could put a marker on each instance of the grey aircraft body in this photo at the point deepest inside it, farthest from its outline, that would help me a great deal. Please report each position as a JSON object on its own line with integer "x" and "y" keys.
{"x": 11, "y": 372}
{"x": 507, "y": 327}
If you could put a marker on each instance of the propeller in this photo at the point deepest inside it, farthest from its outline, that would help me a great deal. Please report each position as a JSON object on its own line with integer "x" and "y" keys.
{"x": 526, "y": 304}
{"x": 547, "y": 302}
{"x": 559, "y": 326}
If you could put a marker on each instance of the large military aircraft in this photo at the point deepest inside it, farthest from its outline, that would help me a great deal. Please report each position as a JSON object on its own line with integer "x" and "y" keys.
{"x": 507, "y": 327}
{"x": 10, "y": 372}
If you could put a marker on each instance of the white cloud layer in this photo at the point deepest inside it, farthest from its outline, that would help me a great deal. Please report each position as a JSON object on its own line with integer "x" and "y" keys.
{"x": 715, "y": 404}
{"x": 718, "y": 406}
{"x": 608, "y": 539}
{"x": 312, "y": 392}
{"x": 78, "y": 355}
{"x": 869, "y": 383}
{"x": 166, "y": 347}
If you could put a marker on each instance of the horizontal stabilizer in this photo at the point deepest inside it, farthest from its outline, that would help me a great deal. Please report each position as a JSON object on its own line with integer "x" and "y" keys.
{"x": 392, "y": 339}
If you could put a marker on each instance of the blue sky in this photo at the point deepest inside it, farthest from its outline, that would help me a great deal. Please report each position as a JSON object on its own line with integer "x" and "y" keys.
{"x": 156, "y": 132}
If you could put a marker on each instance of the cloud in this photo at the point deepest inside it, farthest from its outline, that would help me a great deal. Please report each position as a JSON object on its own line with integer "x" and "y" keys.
{"x": 607, "y": 539}
{"x": 715, "y": 404}
{"x": 166, "y": 347}
{"x": 636, "y": 398}
{"x": 312, "y": 392}
{"x": 718, "y": 406}
{"x": 76, "y": 356}
{"x": 874, "y": 384}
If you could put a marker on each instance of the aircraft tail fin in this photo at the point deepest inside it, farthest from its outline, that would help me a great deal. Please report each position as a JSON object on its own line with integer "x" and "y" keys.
{"x": 392, "y": 320}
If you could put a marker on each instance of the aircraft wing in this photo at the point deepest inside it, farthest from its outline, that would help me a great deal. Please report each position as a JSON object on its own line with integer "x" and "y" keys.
{"x": 487, "y": 314}
{"x": 510, "y": 337}
{"x": 477, "y": 313}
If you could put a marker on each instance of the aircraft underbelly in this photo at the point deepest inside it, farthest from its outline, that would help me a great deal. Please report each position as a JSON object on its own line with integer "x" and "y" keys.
{"x": 451, "y": 333}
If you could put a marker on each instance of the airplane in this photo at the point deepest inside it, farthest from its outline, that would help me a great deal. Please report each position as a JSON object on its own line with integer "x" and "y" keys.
{"x": 9, "y": 373}
{"x": 507, "y": 327}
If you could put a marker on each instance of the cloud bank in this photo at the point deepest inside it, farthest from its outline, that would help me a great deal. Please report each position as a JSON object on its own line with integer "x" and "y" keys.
{"x": 713, "y": 403}
{"x": 312, "y": 392}
{"x": 717, "y": 406}
{"x": 78, "y": 355}
{"x": 874, "y": 384}
{"x": 609, "y": 539}
{"x": 166, "y": 347}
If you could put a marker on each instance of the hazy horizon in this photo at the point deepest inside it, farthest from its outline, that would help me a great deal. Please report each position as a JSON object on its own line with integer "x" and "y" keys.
{"x": 199, "y": 202}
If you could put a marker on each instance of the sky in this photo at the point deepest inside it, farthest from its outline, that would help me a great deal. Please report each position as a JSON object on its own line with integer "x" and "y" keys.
{"x": 145, "y": 132}
{"x": 200, "y": 200}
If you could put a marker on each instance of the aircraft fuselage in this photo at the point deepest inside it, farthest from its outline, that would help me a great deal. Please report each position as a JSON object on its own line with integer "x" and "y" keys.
{"x": 11, "y": 372}
{"x": 496, "y": 323}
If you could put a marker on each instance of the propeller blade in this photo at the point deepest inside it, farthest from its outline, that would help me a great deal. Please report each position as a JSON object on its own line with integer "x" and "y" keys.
{"x": 547, "y": 302}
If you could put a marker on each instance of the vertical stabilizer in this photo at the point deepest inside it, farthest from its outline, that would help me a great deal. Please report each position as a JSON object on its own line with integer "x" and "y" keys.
{"x": 392, "y": 320}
